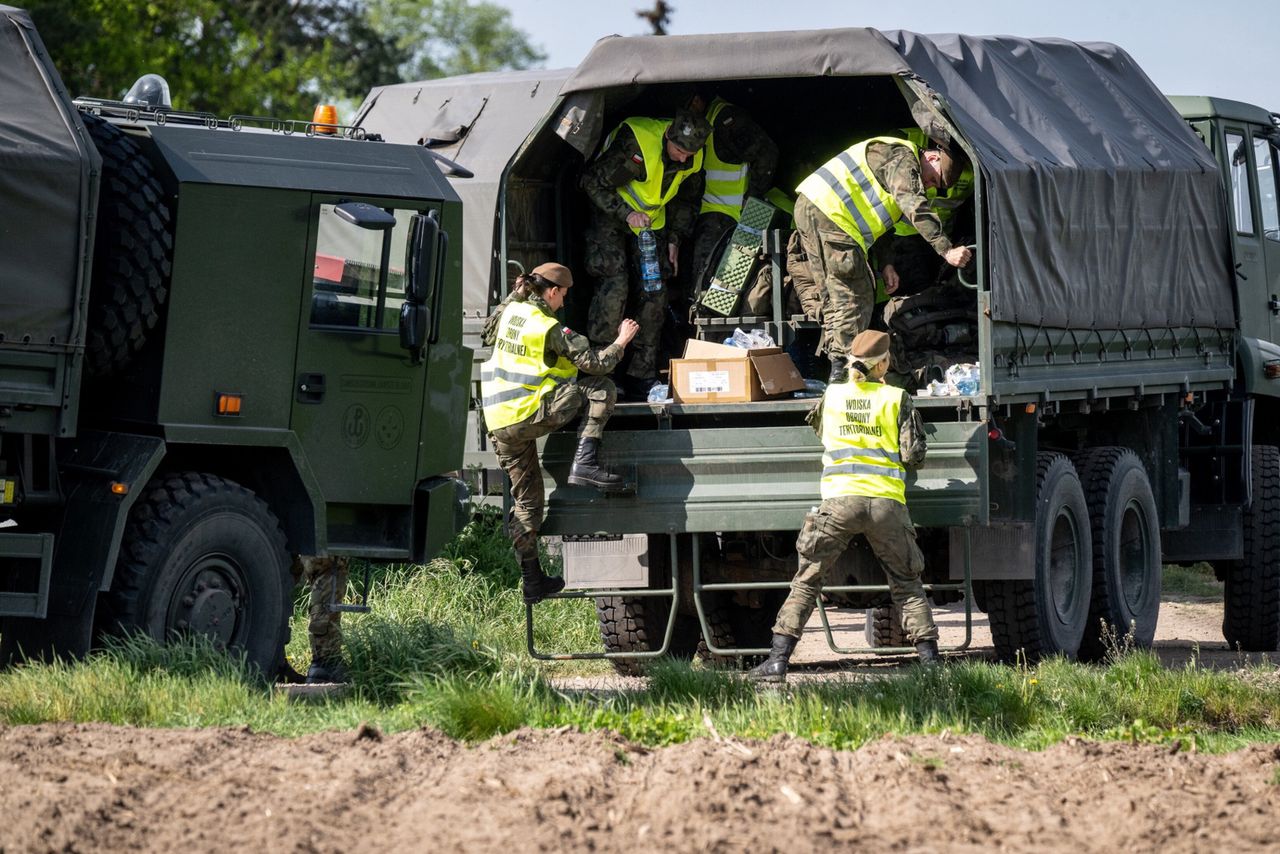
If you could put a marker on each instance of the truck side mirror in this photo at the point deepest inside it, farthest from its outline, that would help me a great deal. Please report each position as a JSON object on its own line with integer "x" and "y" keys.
{"x": 420, "y": 256}
{"x": 414, "y": 320}
{"x": 365, "y": 215}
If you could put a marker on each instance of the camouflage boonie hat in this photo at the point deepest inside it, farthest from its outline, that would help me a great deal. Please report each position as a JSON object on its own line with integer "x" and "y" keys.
{"x": 689, "y": 130}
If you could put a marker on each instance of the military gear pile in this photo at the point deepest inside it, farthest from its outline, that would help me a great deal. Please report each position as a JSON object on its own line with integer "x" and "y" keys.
{"x": 929, "y": 332}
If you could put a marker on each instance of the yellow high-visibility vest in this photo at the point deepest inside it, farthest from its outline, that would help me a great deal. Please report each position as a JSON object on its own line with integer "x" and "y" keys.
{"x": 646, "y": 195}
{"x": 845, "y": 189}
{"x": 516, "y": 377}
{"x": 860, "y": 435}
{"x": 782, "y": 202}
{"x": 726, "y": 182}
{"x": 944, "y": 203}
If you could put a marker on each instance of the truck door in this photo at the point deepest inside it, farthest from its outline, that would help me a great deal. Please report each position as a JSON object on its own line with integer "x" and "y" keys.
{"x": 358, "y": 393}
{"x": 1256, "y": 316}
{"x": 1264, "y": 167}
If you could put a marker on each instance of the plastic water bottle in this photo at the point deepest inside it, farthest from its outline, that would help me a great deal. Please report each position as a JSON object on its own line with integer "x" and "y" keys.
{"x": 660, "y": 393}
{"x": 650, "y": 269}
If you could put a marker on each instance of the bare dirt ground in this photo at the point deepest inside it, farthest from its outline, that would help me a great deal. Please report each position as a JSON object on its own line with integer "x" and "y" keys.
{"x": 104, "y": 788}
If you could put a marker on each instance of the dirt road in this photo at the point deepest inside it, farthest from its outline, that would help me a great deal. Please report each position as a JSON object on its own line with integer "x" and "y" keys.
{"x": 97, "y": 787}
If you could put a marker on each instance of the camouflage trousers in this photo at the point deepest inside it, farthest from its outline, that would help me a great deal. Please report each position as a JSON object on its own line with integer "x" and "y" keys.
{"x": 517, "y": 449}
{"x": 839, "y": 266}
{"x": 826, "y": 533}
{"x": 325, "y": 576}
{"x": 610, "y": 261}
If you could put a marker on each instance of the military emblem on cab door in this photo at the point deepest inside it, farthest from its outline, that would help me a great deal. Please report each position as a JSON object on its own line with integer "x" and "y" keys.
{"x": 390, "y": 428}
{"x": 356, "y": 426}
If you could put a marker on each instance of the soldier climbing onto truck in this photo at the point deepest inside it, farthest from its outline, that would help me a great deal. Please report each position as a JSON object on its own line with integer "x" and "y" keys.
{"x": 530, "y": 387}
{"x": 852, "y": 201}
{"x": 870, "y": 432}
{"x": 648, "y": 176}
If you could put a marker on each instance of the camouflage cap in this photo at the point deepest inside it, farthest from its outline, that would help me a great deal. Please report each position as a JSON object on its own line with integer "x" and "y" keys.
{"x": 870, "y": 344}
{"x": 689, "y": 130}
{"x": 557, "y": 274}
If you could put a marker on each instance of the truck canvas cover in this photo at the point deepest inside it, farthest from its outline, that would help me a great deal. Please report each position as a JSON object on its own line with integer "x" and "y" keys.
{"x": 477, "y": 120}
{"x": 46, "y": 192}
{"x": 1102, "y": 208}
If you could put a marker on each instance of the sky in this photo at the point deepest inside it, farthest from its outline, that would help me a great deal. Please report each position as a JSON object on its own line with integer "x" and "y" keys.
{"x": 1229, "y": 50}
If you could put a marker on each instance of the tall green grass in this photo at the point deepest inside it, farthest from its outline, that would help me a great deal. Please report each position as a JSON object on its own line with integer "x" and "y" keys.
{"x": 444, "y": 647}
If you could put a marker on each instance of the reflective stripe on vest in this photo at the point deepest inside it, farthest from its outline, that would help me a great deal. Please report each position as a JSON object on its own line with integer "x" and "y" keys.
{"x": 845, "y": 189}
{"x": 516, "y": 377}
{"x": 646, "y": 196}
{"x": 726, "y": 182}
{"x": 860, "y": 435}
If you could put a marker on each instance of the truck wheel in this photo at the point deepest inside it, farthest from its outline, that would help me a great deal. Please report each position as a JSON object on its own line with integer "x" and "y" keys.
{"x": 1125, "y": 530}
{"x": 1251, "y": 593}
{"x": 204, "y": 555}
{"x": 884, "y": 627}
{"x": 133, "y": 243}
{"x": 1046, "y": 616}
{"x": 637, "y": 623}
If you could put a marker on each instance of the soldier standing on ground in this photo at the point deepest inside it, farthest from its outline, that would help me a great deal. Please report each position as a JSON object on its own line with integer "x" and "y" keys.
{"x": 870, "y": 433}
{"x": 849, "y": 203}
{"x": 648, "y": 176}
{"x": 738, "y": 161}
{"x": 327, "y": 577}
{"x": 530, "y": 387}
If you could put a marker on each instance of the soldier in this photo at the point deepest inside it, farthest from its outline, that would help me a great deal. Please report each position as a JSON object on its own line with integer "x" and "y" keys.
{"x": 738, "y": 161}
{"x": 870, "y": 432}
{"x": 648, "y": 176}
{"x": 850, "y": 202}
{"x": 327, "y": 577}
{"x": 530, "y": 387}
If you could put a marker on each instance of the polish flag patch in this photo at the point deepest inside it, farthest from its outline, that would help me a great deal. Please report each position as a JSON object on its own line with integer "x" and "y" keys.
{"x": 637, "y": 158}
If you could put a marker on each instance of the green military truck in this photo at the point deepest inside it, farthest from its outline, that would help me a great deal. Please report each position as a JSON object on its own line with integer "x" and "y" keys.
{"x": 222, "y": 342}
{"x": 1121, "y": 302}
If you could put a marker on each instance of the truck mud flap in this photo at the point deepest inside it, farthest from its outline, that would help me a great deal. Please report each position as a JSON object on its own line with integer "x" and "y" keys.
{"x": 26, "y": 565}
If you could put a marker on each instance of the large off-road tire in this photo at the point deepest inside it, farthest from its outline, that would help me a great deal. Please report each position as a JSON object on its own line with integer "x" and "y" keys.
{"x": 1046, "y": 616}
{"x": 637, "y": 623}
{"x": 133, "y": 245}
{"x": 1125, "y": 530}
{"x": 884, "y": 627}
{"x": 203, "y": 555}
{"x": 1251, "y": 592}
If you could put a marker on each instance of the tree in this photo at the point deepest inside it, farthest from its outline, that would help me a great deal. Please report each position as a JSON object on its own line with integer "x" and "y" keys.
{"x": 274, "y": 57}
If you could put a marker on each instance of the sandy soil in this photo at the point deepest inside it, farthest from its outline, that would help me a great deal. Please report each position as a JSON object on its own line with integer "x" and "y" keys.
{"x": 98, "y": 787}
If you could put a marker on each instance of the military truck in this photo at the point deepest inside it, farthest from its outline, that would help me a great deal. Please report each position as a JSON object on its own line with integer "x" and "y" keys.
{"x": 1125, "y": 416}
{"x": 223, "y": 342}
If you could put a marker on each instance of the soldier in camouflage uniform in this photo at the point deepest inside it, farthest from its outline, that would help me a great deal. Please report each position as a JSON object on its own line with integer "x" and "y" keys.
{"x": 846, "y": 205}
{"x": 870, "y": 433}
{"x": 327, "y": 577}
{"x": 617, "y": 184}
{"x": 736, "y": 143}
{"x": 528, "y": 329}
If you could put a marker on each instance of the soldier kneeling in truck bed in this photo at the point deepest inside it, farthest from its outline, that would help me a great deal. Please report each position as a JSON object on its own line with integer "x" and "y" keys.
{"x": 530, "y": 387}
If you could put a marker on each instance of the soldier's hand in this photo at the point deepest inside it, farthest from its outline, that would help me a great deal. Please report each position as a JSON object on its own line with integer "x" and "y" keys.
{"x": 627, "y": 330}
{"x": 636, "y": 219}
{"x": 673, "y": 255}
{"x": 890, "y": 279}
{"x": 958, "y": 256}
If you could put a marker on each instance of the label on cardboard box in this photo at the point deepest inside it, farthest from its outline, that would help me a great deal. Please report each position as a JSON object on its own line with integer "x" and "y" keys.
{"x": 705, "y": 382}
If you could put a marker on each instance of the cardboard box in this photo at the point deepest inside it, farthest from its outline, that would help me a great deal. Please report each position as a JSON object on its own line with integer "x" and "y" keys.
{"x": 717, "y": 373}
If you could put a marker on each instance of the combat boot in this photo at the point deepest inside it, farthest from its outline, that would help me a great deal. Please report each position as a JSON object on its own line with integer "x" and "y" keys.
{"x": 327, "y": 672}
{"x": 839, "y": 371}
{"x": 537, "y": 584}
{"x": 586, "y": 471}
{"x": 774, "y": 668}
{"x": 928, "y": 652}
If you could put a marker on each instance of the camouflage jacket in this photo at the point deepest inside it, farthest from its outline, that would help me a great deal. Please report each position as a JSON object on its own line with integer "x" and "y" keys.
{"x": 622, "y": 163}
{"x": 911, "y": 441}
{"x": 897, "y": 169}
{"x": 738, "y": 139}
{"x": 560, "y": 341}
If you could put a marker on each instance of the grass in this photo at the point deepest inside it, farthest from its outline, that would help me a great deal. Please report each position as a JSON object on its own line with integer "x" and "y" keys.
{"x": 445, "y": 648}
{"x": 1190, "y": 582}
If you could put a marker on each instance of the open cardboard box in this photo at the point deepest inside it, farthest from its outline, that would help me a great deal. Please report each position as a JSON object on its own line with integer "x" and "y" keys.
{"x": 718, "y": 373}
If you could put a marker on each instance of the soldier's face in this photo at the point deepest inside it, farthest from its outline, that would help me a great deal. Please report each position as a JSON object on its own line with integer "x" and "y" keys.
{"x": 930, "y": 175}
{"x": 555, "y": 297}
{"x": 678, "y": 154}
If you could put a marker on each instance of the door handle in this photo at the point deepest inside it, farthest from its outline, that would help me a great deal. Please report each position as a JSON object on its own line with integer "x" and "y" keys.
{"x": 310, "y": 388}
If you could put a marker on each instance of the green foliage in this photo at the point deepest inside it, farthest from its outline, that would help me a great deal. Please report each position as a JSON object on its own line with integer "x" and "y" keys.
{"x": 1190, "y": 582}
{"x": 275, "y": 57}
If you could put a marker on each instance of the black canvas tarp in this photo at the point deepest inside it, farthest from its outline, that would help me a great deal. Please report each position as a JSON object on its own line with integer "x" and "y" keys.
{"x": 1103, "y": 209}
{"x": 45, "y": 164}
